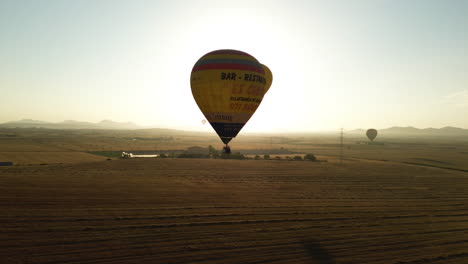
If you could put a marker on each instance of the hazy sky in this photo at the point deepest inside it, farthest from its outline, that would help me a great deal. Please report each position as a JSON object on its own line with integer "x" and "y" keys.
{"x": 351, "y": 64}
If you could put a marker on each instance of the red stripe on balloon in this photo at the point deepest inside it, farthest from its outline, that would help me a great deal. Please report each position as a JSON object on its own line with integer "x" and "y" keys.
{"x": 241, "y": 67}
{"x": 228, "y": 52}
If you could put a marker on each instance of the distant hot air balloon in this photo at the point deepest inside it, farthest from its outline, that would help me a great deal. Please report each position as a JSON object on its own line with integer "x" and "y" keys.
{"x": 228, "y": 86}
{"x": 371, "y": 134}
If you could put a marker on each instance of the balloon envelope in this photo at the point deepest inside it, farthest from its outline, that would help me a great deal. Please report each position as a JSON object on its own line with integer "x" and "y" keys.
{"x": 228, "y": 86}
{"x": 268, "y": 77}
{"x": 371, "y": 134}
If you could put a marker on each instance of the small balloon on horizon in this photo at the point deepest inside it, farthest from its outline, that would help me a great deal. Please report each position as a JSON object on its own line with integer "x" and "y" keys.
{"x": 371, "y": 134}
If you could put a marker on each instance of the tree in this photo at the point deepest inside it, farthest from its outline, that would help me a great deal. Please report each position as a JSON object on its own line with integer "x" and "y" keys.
{"x": 212, "y": 152}
{"x": 310, "y": 157}
{"x": 297, "y": 158}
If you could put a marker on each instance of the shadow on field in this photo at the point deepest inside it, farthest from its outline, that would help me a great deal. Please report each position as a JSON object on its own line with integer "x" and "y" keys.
{"x": 318, "y": 254}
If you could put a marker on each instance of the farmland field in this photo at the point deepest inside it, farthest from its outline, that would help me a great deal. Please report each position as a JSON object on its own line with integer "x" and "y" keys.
{"x": 49, "y": 146}
{"x": 234, "y": 132}
{"x": 233, "y": 211}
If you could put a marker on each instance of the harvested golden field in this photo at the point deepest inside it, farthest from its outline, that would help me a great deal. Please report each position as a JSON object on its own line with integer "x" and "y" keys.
{"x": 32, "y": 150}
{"x": 227, "y": 211}
{"x": 23, "y": 148}
{"x": 26, "y": 145}
{"x": 47, "y": 157}
{"x": 447, "y": 155}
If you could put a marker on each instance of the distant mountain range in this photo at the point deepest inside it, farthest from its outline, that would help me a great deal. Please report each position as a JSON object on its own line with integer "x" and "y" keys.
{"x": 70, "y": 124}
{"x": 108, "y": 124}
{"x": 412, "y": 131}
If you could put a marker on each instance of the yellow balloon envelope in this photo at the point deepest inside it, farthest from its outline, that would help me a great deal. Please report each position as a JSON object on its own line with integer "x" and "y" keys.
{"x": 228, "y": 86}
{"x": 268, "y": 77}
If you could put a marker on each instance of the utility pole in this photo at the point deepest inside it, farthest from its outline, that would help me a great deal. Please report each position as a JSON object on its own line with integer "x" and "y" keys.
{"x": 341, "y": 146}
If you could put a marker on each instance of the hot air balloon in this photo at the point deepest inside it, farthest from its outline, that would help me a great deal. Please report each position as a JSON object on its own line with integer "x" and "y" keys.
{"x": 371, "y": 134}
{"x": 228, "y": 86}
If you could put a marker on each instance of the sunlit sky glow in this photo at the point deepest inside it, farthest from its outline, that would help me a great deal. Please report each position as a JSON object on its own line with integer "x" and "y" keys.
{"x": 351, "y": 64}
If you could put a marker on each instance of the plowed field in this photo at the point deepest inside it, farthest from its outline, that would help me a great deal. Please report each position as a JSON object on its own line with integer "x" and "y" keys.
{"x": 226, "y": 211}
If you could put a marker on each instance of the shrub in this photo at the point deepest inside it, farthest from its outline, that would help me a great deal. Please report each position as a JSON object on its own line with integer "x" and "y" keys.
{"x": 297, "y": 158}
{"x": 193, "y": 156}
{"x": 233, "y": 156}
{"x": 310, "y": 157}
{"x": 266, "y": 156}
{"x": 257, "y": 157}
{"x": 237, "y": 156}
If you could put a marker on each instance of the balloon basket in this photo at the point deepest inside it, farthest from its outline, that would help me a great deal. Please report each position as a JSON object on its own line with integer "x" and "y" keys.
{"x": 227, "y": 149}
